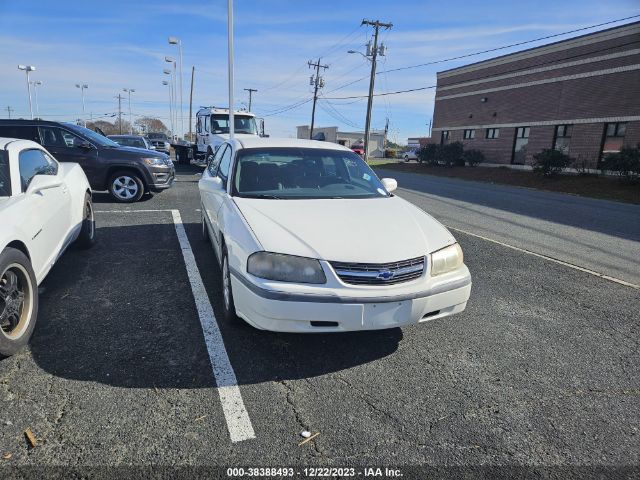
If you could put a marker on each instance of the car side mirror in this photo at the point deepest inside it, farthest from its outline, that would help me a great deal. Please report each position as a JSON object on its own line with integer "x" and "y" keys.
{"x": 211, "y": 184}
{"x": 43, "y": 182}
{"x": 85, "y": 145}
{"x": 389, "y": 184}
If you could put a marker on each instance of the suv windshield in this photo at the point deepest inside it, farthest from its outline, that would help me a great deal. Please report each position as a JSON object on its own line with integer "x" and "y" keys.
{"x": 5, "y": 177}
{"x": 157, "y": 136}
{"x": 304, "y": 173}
{"x": 91, "y": 135}
{"x": 242, "y": 124}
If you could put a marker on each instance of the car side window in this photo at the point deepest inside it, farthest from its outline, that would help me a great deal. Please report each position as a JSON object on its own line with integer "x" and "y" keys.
{"x": 215, "y": 160}
{"x": 54, "y": 137}
{"x": 34, "y": 162}
{"x": 5, "y": 175}
{"x": 199, "y": 125}
{"x": 225, "y": 164}
{"x": 20, "y": 131}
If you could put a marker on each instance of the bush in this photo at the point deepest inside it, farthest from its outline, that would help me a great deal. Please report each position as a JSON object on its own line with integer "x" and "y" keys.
{"x": 428, "y": 154}
{"x": 550, "y": 162}
{"x": 625, "y": 163}
{"x": 473, "y": 157}
{"x": 390, "y": 153}
{"x": 452, "y": 154}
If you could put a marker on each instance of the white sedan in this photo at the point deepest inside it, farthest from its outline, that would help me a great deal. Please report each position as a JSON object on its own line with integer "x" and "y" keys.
{"x": 44, "y": 207}
{"x": 310, "y": 240}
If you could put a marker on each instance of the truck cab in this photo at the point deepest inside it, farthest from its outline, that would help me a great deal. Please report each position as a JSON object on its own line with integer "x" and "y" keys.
{"x": 212, "y": 128}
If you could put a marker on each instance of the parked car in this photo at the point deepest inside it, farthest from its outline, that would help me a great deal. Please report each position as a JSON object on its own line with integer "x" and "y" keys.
{"x": 358, "y": 150}
{"x": 160, "y": 141}
{"x": 410, "y": 155}
{"x": 136, "y": 141}
{"x": 310, "y": 240}
{"x": 127, "y": 173}
{"x": 45, "y": 206}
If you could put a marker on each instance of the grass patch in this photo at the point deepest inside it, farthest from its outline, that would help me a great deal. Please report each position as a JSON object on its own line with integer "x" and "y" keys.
{"x": 594, "y": 186}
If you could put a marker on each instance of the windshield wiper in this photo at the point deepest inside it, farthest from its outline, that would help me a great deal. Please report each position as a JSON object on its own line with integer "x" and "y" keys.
{"x": 261, "y": 195}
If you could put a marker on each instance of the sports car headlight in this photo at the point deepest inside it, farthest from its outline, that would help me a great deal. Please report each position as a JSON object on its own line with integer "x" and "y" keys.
{"x": 447, "y": 259}
{"x": 154, "y": 161}
{"x": 285, "y": 268}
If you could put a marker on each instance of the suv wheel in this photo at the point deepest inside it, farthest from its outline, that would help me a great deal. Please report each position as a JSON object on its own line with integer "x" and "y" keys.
{"x": 126, "y": 187}
{"x": 18, "y": 301}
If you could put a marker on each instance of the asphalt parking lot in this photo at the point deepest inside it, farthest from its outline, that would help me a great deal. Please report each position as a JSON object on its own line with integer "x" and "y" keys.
{"x": 541, "y": 369}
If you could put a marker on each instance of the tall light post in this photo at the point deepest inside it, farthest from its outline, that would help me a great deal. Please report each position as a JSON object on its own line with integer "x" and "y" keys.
{"x": 28, "y": 68}
{"x": 130, "y": 91}
{"x": 172, "y": 98}
{"x": 178, "y": 42}
{"x": 82, "y": 87}
{"x": 175, "y": 93}
{"x": 164, "y": 82}
{"x": 36, "y": 84}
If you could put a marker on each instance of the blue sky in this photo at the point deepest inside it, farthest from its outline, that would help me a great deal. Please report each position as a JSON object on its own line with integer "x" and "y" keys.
{"x": 117, "y": 44}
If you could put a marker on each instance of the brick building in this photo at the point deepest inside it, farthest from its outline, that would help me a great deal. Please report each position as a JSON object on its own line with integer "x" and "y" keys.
{"x": 581, "y": 96}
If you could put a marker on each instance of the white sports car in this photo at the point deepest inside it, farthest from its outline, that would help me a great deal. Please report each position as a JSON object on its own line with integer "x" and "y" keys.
{"x": 44, "y": 207}
{"x": 310, "y": 240}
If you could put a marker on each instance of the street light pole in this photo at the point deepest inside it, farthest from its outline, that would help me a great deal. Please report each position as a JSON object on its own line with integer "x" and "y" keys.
{"x": 82, "y": 87}
{"x": 36, "y": 84}
{"x": 28, "y": 68}
{"x": 129, "y": 91}
{"x": 174, "y": 88}
{"x": 164, "y": 82}
{"x": 232, "y": 120}
{"x": 177, "y": 41}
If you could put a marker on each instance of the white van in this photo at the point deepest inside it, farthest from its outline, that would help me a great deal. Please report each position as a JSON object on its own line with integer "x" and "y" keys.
{"x": 212, "y": 128}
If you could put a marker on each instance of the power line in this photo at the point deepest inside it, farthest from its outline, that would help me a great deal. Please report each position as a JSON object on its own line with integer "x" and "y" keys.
{"x": 382, "y": 94}
{"x": 487, "y": 51}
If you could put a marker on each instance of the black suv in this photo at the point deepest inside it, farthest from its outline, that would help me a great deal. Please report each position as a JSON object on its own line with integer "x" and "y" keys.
{"x": 127, "y": 173}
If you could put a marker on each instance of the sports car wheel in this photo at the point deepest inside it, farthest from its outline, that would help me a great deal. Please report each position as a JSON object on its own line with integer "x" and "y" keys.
{"x": 18, "y": 301}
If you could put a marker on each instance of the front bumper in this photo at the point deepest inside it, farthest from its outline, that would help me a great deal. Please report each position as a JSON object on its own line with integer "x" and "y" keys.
{"x": 161, "y": 178}
{"x": 351, "y": 309}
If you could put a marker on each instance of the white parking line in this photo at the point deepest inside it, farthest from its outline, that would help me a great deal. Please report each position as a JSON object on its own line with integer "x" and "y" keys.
{"x": 238, "y": 421}
{"x": 551, "y": 259}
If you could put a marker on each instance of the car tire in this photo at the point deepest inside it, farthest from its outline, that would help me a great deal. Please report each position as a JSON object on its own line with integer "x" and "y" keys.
{"x": 406, "y": 158}
{"x": 228, "y": 306}
{"x": 87, "y": 237}
{"x": 126, "y": 186}
{"x": 18, "y": 301}
{"x": 205, "y": 230}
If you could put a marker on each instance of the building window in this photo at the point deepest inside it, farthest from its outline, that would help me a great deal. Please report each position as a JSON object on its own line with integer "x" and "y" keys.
{"x": 469, "y": 134}
{"x": 492, "y": 133}
{"x": 520, "y": 145}
{"x": 613, "y": 137}
{"x": 444, "y": 136}
{"x": 562, "y": 138}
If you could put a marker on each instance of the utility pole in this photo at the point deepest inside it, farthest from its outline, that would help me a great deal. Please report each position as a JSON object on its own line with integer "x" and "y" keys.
{"x": 193, "y": 70}
{"x": 374, "y": 52}
{"x": 317, "y": 82}
{"x": 9, "y": 110}
{"x": 120, "y": 98}
{"x": 250, "y": 90}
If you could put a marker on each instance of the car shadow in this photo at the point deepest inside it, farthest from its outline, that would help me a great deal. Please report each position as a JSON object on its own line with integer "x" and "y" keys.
{"x": 105, "y": 197}
{"x": 123, "y": 314}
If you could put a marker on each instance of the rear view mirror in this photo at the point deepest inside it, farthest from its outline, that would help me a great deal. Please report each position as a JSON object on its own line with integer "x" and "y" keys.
{"x": 43, "y": 182}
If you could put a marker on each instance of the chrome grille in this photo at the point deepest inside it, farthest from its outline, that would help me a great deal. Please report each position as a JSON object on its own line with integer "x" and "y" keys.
{"x": 379, "y": 273}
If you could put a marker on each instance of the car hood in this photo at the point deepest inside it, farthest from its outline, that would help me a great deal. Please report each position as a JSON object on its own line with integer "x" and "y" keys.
{"x": 130, "y": 152}
{"x": 379, "y": 230}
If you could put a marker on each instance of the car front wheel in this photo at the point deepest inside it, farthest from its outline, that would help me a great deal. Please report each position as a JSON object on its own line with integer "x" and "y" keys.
{"x": 228, "y": 307}
{"x": 126, "y": 187}
{"x": 87, "y": 237}
{"x": 18, "y": 301}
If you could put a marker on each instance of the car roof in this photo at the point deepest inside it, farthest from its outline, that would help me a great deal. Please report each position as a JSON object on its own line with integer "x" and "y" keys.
{"x": 19, "y": 121}
{"x": 262, "y": 142}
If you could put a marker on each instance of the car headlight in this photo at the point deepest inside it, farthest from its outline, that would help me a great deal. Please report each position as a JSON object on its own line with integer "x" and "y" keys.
{"x": 154, "y": 161}
{"x": 285, "y": 268}
{"x": 446, "y": 259}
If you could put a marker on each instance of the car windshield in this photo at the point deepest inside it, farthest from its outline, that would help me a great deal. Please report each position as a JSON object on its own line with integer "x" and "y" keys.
{"x": 91, "y": 135}
{"x": 242, "y": 124}
{"x": 157, "y": 136}
{"x": 129, "y": 141}
{"x": 5, "y": 177}
{"x": 304, "y": 173}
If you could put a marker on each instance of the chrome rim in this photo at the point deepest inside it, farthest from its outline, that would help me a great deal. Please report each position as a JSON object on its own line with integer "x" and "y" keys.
{"x": 88, "y": 216}
{"x": 226, "y": 283}
{"x": 16, "y": 301}
{"x": 125, "y": 187}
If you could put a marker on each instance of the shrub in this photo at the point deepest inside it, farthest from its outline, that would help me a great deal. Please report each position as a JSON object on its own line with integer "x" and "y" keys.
{"x": 550, "y": 162}
{"x": 451, "y": 154}
{"x": 625, "y": 163}
{"x": 428, "y": 154}
{"x": 390, "y": 153}
{"x": 473, "y": 157}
